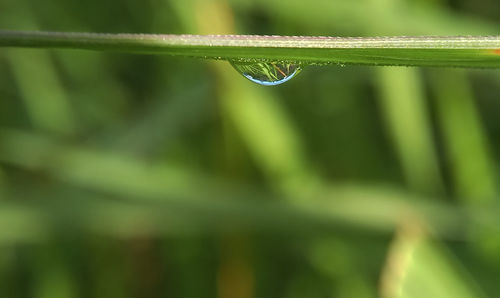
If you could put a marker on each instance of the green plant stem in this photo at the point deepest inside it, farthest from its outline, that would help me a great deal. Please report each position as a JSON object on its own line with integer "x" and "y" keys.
{"x": 456, "y": 51}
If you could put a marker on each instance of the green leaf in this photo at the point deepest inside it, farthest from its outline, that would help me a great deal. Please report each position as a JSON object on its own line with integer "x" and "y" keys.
{"x": 456, "y": 51}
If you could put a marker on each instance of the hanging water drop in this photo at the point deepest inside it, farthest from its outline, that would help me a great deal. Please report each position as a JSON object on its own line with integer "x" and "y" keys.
{"x": 267, "y": 73}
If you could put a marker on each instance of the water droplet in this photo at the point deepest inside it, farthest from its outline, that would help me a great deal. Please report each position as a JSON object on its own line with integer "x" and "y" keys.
{"x": 267, "y": 73}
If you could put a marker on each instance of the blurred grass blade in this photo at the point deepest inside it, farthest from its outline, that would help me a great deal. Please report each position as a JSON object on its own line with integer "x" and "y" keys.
{"x": 418, "y": 267}
{"x": 471, "y": 165}
{"x": 407, "y": 119}
{"x": 457, "y": 51}
{"x": 202, "y": 197}
{"x": 46, "y": 101}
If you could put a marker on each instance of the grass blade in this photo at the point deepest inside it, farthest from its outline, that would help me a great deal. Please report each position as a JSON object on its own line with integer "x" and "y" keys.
{"x": 455, "y": 51}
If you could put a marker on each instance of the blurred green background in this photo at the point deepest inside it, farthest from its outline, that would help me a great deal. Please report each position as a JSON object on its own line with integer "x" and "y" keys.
{"x": 156, "y": 176}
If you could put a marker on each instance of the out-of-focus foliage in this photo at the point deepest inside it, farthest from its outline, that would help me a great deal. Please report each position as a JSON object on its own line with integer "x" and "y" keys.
{"x": 150, "y": 176}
